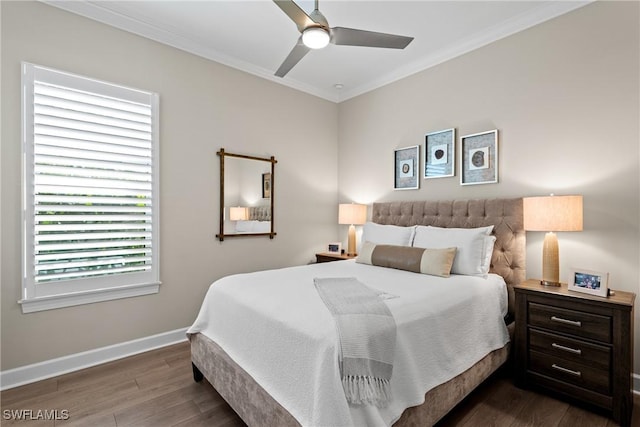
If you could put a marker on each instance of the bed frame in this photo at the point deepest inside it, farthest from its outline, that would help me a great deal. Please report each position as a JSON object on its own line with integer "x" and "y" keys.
{"x": 256, "y": 407}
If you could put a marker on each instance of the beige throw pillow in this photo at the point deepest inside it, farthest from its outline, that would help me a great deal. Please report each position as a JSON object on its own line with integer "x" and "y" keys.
{"x": 436, "y": 262}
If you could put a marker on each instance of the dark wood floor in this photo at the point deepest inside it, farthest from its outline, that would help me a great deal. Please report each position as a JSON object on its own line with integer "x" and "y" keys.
{"x": 497, "y": 402}
{"x": 157, "y": 389}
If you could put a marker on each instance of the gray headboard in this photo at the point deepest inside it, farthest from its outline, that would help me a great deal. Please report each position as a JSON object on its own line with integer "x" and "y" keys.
{"x": 506, "y": 215}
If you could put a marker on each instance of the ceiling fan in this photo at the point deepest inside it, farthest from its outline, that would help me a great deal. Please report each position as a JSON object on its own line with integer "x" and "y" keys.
{"x": 316, "y": 34}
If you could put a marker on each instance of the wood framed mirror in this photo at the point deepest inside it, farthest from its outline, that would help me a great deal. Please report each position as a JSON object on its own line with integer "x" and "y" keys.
{"x": 246, "y": 195}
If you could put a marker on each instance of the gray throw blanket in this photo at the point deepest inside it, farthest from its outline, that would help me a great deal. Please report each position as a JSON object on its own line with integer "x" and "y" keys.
{"x": 367, "y": 332}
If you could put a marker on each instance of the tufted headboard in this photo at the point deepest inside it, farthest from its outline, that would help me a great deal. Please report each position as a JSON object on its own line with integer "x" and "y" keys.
{"x": 260, "y": 213}
{"x": 506, "y": 215}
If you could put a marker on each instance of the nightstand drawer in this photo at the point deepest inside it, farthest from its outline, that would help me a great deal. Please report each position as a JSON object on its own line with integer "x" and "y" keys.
{"x": 573, "y": 322}
{"x": 597, "y": 356}
{"x": 576, "y": 373}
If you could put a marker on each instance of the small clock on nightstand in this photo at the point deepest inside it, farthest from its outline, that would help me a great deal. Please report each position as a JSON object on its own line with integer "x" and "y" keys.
{"x": 575, "y": 345}
{"x": 333, "y": 256}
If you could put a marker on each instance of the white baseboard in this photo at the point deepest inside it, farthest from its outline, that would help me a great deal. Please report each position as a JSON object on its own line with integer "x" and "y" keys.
{"x": 636, "y": 384}
{"x": 62, "y": 365}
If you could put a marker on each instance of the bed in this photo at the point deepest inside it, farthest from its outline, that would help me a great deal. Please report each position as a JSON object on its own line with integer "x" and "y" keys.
{"x": 258, "y": 221}
{"x": 290, "y": 386}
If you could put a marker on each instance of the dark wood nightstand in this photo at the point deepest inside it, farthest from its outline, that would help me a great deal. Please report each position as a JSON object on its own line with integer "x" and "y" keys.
{"x": 328, "y": 257}
{"x": 576, "y": 345}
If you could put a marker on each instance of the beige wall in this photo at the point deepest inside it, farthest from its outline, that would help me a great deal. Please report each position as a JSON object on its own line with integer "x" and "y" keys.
{"x": 564, "y": 96}
{"x": 203, "y": 106}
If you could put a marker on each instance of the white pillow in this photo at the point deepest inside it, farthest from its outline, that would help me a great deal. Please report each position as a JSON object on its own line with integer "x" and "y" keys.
{"x": 489, "y": 242}
{"x": 387, "y": 234}
{"x": 473, "y": 256}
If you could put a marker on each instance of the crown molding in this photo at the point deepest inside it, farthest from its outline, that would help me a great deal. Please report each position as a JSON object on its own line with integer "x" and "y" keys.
{"x": 175, "y": 38}
{"x": 478, "y": 40}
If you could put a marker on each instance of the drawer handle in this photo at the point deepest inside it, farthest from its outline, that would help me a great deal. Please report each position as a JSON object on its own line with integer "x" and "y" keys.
{"x": 566, "y": 371}
{"x": 568, "y": 322}
{"x": 569, "y": 349}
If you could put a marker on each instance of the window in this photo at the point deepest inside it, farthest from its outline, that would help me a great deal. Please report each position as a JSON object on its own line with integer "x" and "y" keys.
{"x": 90, "y": 222}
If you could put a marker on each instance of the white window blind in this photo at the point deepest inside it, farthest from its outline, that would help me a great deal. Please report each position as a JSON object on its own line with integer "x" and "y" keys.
{"x": 91, "y": 190}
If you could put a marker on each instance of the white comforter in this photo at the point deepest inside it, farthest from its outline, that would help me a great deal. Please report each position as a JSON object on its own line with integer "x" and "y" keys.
{"x": 274, "y": 325}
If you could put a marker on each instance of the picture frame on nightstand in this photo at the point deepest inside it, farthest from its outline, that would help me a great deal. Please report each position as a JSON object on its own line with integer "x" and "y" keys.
{"x": 334, "y": 248}
{"x": 589, "y": 282}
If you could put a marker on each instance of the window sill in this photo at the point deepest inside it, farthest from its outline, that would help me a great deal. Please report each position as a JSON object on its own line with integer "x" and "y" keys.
{"x": 80, "y": 298}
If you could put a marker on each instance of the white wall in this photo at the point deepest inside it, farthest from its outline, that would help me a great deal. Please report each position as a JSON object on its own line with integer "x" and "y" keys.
{"x": 203, "y": 106}
{"x": 564, "y": 96}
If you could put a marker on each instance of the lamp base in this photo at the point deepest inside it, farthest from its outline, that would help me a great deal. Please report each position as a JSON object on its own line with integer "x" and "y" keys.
{"x": 550, "y": 263}
{"x": 549, "y": 283}
{"x": 351, "y": 246}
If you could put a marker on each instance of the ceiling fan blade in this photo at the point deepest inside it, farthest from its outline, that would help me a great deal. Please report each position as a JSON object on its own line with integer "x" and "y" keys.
{"x": 296, "y": 54}
{"x": 352, "y": 37}
{"x": 296, "y": 14}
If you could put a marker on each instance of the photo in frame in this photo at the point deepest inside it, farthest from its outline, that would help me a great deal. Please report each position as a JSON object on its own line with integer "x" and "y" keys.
{"x": 334, "y": 248}
{"x": 439, "y": 154}
{"x": 589, "y": 281}
{"x": 266, "y": 185}
{"x": 479, "y": 158}
{"x": 406, "y": 161}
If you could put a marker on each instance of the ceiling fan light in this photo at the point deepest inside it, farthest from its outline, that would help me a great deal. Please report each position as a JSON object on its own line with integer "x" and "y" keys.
{"x": 315, "y": 37}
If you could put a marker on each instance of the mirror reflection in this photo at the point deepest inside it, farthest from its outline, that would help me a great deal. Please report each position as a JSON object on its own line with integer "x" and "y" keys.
{"x": 246, "y": 189}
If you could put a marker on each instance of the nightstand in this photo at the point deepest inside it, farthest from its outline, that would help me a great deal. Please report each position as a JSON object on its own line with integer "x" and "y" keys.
{"x": 576, "y": 345}
{"x": 328, "y": 257}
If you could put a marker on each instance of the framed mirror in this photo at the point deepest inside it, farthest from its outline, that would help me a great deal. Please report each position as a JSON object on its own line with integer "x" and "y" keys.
{"x": 246, "y": 195}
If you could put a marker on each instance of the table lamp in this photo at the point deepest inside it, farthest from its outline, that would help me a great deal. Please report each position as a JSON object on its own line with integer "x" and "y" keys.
{"x": 550, "y": 214}
{"x": 238, "y": 214}
{"x": 352, "y": 214}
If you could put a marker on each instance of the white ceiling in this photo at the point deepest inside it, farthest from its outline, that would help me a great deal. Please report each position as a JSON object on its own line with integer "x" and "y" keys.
{"x": 256, "y": 36}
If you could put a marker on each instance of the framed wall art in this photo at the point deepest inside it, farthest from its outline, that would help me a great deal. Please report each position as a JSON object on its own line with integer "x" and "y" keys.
{"x": 439, "y": 154}
{"x": 266, "y": 185}
{"x": 589, "y": 282}
{"x": 479, "y": 158}
{"x": 406, "y": 161}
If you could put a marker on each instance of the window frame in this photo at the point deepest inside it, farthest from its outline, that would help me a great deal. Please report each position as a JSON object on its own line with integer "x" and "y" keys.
{"x": 70, "y": 292}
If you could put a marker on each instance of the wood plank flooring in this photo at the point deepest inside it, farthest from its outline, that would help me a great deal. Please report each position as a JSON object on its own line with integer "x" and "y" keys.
{"x": 150, "y": 389}
{"x": 157, "y": 389}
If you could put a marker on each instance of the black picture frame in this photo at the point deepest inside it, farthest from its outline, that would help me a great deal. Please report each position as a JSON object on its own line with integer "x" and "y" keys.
{"x": 266, "y": 185}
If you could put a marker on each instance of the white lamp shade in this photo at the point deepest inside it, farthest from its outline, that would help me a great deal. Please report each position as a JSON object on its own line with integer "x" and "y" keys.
{"x": 553, "y": 213}
{"x": 351, "y": 213}
{"x": 315, "y": 38}
{"x": 238, "y": 214}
